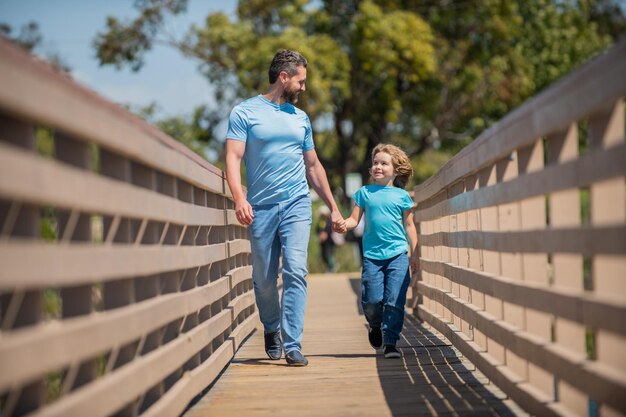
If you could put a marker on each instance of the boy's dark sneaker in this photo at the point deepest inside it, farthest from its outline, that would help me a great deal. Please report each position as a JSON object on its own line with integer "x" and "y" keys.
{"x": 273, "y": 345}
{"x": 296, "y": 358}
{"x": 391, "y": 352}
{"x": 375, "y": 337}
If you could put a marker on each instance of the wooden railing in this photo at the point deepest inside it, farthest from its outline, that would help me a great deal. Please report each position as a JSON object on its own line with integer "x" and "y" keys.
{"x": 523, "y": 245}
{"x": 125, "y": 279}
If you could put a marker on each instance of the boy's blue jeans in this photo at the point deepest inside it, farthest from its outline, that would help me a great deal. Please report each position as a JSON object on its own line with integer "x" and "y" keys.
{"x": 384, "y": 284}
{"x": 284, "y": 227}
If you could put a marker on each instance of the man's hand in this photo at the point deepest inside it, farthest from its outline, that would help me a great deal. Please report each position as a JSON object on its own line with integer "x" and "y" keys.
{"x": 339, "y": 224}
{"x": 244, "y": 213}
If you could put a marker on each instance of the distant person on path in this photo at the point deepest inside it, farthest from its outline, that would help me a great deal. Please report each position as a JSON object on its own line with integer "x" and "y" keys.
{"x": 388, "y": 221}
{"x": 357, "y": 234}
{"x": 324, "y": 236}
{"x": 275, "y": 141}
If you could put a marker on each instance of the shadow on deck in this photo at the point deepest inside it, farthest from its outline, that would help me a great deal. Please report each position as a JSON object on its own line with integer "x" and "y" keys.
{"x": 433, "y": 378}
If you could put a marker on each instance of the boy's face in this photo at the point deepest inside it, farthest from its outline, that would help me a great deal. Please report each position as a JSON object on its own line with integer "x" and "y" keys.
{"x": 382, "y": 170}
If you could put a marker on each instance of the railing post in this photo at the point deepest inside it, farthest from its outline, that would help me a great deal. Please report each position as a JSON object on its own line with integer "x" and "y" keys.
{"x": 22, "y": 307}
{"x": 118, "y": 293}
{"x": 607, "y": 208}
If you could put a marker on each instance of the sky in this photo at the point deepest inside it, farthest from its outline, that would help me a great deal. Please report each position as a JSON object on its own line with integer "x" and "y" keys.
{"x": 68, "y": 28}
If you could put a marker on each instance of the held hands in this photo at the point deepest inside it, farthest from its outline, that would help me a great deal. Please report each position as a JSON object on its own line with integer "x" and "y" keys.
{"x": 339, "y": 224}
{"x": 243, "y": 212}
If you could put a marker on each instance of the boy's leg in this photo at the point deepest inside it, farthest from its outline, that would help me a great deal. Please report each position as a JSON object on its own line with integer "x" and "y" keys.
{"x": 265, "y": 248}
{"x": 397, "y": 279}
{"x": 372, "y": 291}
{"x": 294, "y": 231}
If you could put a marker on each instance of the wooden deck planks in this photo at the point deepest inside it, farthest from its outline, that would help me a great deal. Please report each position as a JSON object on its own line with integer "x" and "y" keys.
{"x": 346, "y": 377}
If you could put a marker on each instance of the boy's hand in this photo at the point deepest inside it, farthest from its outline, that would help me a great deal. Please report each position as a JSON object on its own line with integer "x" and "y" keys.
{"x": 345, "y": 227}
{"x": 415, "y": 261}
{"x": 339, "y": 224}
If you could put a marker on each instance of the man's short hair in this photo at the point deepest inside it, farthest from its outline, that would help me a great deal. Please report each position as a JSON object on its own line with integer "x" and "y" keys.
{"x": 288, "y": 61}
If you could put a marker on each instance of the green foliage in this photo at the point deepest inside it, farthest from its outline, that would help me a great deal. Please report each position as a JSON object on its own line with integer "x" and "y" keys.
{"x": 418, "y": 73}
{"x": 30, "y": 39}
{"x": 590, "y": 344}
{"x": 427, "y": 163}
{"x": 237, "y": 59}
{"x": 557, "y": 37}
{"x": 195, "y": 130}
{"x": 51, "y": 304}
{"x": 608, "y": 15}
{"x": 53, "y": 386}
{"x": 29, "y": 36}
{"x": 125, "y": 43}
{"x": 497, "y": 54}
{"x": 48, "y": 224}
{"x": 346, "y": 259}
{"x": 585, "y": 206}
{"x": 44, "y": 142}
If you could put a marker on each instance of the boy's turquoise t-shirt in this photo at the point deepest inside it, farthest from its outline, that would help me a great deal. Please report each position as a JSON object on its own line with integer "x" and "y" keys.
{"x": 276, "y": 137}
{"x": 384, "y": 236}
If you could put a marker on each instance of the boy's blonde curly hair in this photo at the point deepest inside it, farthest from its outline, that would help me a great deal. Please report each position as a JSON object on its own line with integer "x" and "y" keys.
{"x": 399, "y": 159}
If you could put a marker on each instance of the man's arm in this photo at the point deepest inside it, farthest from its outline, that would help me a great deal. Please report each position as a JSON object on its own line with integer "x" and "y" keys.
{"x": 234, "y": 154}
{"x": 317, "y": 176}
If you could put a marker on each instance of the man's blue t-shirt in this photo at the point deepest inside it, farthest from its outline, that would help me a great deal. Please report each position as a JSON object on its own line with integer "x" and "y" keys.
{"x": 276, "y": 137}
{"x": 384, "y": 236}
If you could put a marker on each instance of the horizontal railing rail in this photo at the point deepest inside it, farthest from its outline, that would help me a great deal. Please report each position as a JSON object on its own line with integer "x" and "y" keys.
{"x": 523, "y": 247}
{"x": 125, "y": 279}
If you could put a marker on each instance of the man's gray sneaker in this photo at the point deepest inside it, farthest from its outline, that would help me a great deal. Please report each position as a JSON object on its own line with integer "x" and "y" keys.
{"x": 273, "y": 345}
{"x": 296, "y": 358}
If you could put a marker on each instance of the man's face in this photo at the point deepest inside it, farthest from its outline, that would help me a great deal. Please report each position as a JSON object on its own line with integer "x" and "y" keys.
{"x": 294, "y": 85}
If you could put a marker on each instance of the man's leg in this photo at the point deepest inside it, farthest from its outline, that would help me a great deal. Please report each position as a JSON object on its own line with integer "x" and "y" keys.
{"x": 265, "y": 247}
{"x": 294, "y": 231}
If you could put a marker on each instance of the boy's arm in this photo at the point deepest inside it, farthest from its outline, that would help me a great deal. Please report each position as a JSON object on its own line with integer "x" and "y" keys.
{"x": 411, "y": 232}
{"x": 354, "y": 218}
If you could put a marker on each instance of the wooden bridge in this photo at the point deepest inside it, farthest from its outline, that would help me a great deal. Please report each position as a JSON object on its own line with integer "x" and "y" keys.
{"x": 125, "y": 279}
{"x": 346, "y": 377}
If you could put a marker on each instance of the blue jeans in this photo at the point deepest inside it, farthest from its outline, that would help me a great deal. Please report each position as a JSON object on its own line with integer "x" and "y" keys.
{"x": 284, "y": 227}
{"x": 384, "y": 284}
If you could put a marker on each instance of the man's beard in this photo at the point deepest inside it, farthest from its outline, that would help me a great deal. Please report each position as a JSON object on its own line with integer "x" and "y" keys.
{"x": 291, "y": 96}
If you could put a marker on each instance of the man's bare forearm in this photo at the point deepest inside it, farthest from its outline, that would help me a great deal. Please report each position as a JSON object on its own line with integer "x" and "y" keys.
{"x": 234, "y": 154}
{"x": 233, "y": 177}
{"x": 319, "y": 181}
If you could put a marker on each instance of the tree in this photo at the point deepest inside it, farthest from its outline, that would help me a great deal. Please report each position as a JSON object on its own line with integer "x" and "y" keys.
{"x": 355, "y": 81}
{"x": 192, "y": 130}
{"x": 608, "y": 16}
{"x": 30, "y": 39}
{"x": 424, "y": 74}
{"x": 498, "y": 53}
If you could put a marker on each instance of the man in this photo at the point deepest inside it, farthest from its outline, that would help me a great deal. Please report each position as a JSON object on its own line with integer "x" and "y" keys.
{"x": 275, "y": 140}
